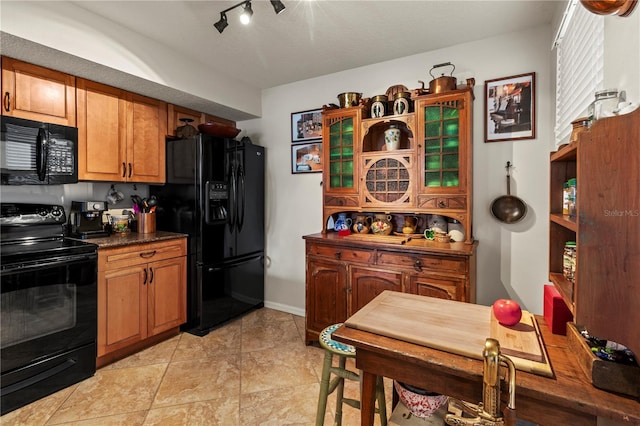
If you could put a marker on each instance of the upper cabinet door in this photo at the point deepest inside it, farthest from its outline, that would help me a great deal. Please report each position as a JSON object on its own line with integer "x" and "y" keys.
{"x": 340, "y": 132}
{"x": 101, "y": 132}
{"x": 146, "y": 132}
{"x": 121, "y": 135}
{"x": 37, "y": 93}
{"x": 444, "y": 142}
{"x": 176, "y": 114}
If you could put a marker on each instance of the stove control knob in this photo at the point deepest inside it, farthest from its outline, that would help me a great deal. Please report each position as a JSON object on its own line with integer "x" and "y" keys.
{"x": 97, "y": 206}
{"x": 56, "y": 211}
{"x": 43, "y": 212}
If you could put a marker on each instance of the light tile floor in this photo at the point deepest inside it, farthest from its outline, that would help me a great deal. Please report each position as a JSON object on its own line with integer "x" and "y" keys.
{"x": 253, "y": 371}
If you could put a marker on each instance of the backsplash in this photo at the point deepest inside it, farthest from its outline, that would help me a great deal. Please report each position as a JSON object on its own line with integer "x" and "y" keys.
{"x": 64, "y": 194}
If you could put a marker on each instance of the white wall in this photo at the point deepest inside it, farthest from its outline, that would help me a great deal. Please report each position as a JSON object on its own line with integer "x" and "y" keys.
{"x": 512, "y": 259}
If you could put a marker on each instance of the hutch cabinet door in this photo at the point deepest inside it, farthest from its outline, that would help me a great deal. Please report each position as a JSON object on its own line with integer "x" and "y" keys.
{"x": 442, "y": 287}
{"x": 367, "y": 283}
{"x": 444, "y": 139}
{"x": 340, "y": 138}
{"x": 326, "y": 299}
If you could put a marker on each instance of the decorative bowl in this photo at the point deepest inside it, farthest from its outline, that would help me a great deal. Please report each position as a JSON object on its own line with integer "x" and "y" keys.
{"x": 420, "y": 402}
{"x": 218, "y": 129}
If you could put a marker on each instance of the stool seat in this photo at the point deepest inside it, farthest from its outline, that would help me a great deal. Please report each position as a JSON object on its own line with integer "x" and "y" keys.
{"x": 327, "y": 386}
{"x": 327, "y": 342}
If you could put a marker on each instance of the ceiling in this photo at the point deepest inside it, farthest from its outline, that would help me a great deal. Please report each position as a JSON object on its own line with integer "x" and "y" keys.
{"x": 311, "y": 38}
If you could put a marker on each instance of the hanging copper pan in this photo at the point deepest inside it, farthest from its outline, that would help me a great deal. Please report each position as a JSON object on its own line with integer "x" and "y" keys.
{"x": 508, "y": 208}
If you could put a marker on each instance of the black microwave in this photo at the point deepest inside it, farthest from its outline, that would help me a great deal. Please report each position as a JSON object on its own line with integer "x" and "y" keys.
{"x": 35, "y": 153}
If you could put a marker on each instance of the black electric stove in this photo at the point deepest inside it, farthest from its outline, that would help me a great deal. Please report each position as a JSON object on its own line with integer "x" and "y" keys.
{"x": 48, "y": 304}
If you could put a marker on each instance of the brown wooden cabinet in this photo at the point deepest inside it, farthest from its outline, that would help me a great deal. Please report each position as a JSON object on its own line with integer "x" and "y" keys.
{"x": 343, "y": 275}
{"x": 341, "y": 142}
{"x": 429, "y": 174}
{"x": 606, "y": 164}
{"x": 121, "y": 135}
{"x": 176, "y": 113}
{"x": 141, "y": 293}
{"x": 36, "y": 93}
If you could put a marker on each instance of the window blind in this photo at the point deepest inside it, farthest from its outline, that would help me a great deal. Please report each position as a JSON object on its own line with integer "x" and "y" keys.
{"x": 579, "y": 68}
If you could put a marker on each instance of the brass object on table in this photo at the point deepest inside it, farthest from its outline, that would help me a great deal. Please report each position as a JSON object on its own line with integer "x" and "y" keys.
{"x": 488, "y": 412}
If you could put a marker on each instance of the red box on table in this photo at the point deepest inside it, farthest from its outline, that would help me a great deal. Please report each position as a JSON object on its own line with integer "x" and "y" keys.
{"x": 556, "y": 312}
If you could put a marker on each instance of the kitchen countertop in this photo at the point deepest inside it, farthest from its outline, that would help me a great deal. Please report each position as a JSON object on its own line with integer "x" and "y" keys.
{"x": 131, "y": 238}
{"x": 397, "y": 243}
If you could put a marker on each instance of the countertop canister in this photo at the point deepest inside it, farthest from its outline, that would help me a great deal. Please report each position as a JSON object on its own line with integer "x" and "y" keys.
{"x": 146, "y": 223}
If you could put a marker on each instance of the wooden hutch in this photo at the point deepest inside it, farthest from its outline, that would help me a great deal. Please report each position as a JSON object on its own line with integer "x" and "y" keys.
{"x": 429, "y": 174}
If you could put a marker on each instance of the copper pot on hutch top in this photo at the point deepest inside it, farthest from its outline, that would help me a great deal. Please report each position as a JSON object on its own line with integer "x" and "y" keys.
{"x": 443, "y": 83}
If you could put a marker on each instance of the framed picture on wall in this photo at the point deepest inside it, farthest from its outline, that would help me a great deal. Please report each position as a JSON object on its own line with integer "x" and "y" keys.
{"x": 509, "y": 105}
{"x": 306, "y": 157}
{"x": 306, "y": 125}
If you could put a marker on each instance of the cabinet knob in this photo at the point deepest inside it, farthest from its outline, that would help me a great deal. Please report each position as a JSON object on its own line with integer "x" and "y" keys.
{"x": 442, "y": 204}
{"x": 124, "y": 169}
{"x": 129, "y": 169}
{"x": 417, "y": 265}
{"x": 151, "y": 279}
{"x": 7, "y": 101}
{"x": 338, "y": 255}
{"x": 145, "y": 277}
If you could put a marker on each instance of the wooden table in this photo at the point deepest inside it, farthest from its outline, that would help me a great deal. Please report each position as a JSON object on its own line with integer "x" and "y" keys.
{"x": 567, "y": 399}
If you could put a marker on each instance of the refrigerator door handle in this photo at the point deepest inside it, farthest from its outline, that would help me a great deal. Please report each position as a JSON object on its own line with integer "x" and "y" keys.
{"x": 241, "y": 196}
{"x": 207, "y": 203}
{"x": 233, "y": 195}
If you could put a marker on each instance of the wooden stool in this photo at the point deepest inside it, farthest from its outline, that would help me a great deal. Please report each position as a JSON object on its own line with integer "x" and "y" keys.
{"x": 327, "y": 386}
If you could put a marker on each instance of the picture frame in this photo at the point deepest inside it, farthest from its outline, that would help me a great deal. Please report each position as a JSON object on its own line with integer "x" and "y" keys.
{"x": 306, "y": 157}
{"x": 509, "y": 105}
{"x": 306, "y": 125}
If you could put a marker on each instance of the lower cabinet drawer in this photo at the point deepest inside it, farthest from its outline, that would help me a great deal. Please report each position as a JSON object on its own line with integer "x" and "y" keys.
{"x": 340, "y": 253}
{"x": 422, "y": 263}
{"x": 119, "y": 257}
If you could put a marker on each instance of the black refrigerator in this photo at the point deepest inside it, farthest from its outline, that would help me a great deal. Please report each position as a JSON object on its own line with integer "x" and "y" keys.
{"x": 215, "y": 194}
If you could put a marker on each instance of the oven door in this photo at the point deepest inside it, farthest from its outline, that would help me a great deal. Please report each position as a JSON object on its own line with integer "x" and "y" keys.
{"x": 47, "y": 308}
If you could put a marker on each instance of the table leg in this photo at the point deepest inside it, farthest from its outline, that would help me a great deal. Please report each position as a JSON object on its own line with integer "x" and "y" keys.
{"x": 367, "y": 398}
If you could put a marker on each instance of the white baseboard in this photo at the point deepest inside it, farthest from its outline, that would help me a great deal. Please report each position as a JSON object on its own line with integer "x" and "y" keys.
{"x": 284, "y": 308}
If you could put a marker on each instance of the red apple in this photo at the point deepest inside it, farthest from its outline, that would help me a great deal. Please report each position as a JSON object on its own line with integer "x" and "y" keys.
{"x": 507, "y": 311}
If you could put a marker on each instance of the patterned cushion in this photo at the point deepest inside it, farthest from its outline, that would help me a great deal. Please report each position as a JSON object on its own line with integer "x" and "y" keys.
{"x": 336, "y": 347}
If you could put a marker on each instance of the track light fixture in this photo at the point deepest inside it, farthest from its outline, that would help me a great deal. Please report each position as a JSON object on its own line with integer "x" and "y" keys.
{"x": 222, "y": 23}
{"x": 247, "y": 13}
{"x": 277, "y": 6}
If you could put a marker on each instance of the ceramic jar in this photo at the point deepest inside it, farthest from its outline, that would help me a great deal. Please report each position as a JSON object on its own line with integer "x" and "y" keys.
{"x": 381, "y": 224}
{"x": 410, "y": 224}
{"x": 437, "y": 223}
{"x": 456, "y": 230}
{"x": 343, "y": 222}
{"x": 362, "y": 224}
{"x": 379, "y": 106}
{"x": 392, "y": 138}
{"x": 402, "y": 103}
